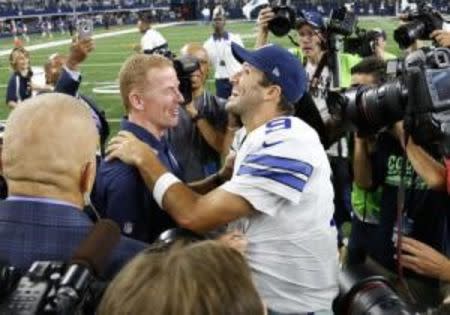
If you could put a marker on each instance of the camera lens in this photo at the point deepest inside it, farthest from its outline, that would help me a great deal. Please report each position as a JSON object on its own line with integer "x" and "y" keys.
{"x": 370, "y": 109}
{"x": 407, "y": 34}
{"x": 283, "y": 21}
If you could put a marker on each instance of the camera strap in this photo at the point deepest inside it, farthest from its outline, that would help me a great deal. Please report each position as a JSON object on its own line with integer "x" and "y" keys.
{"x": 401, "y": 197}
{"x": 315, "y": 79}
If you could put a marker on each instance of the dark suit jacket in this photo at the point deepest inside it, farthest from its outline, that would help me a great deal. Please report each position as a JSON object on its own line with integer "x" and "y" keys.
{"x": 67, "y": 85}
{"x": 34, "y": 230}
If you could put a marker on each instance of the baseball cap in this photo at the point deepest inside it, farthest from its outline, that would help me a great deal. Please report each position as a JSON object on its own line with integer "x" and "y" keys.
{"x": 313, "y": 18}
{"x": 279, "y": 65}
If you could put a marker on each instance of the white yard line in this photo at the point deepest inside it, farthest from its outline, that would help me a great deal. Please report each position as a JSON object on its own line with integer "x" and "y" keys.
{"x": 57, "y": 43}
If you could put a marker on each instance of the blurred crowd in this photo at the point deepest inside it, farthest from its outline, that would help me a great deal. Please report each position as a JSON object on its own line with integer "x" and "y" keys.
{"x": 246, "y": 199}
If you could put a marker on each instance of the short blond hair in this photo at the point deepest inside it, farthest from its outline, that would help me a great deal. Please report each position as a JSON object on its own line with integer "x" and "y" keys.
{"x": 204, "y": 278}
{"x": 133, "y": 73}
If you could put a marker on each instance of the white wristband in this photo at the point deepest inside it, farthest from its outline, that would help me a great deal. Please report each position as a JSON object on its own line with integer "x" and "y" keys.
{"x": 162, "y": 184}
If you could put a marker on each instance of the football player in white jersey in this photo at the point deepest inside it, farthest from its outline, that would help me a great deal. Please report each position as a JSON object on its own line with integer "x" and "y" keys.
{"x": 279, "y": 195}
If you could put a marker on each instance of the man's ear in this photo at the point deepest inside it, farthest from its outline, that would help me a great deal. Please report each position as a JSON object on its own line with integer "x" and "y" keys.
{"x": 87, "y": 177}
{"x": 273, "y": 92}
{"x": 135, "y": 100}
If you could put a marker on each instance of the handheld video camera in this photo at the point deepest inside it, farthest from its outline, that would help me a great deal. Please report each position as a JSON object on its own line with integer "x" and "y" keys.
{"x": 422, "y": 22}
{"x": 56, "y": 288}
{"x": 355, "y": 40}
{"x": 50, "y": 287}
{"x": 419, "y": 94}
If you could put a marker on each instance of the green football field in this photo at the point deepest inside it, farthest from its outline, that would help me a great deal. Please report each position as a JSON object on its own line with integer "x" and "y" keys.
{"x": 102, "y": 66}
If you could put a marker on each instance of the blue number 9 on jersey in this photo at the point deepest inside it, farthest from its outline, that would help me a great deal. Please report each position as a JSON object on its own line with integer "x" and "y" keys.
{"x": 278, "y": 124}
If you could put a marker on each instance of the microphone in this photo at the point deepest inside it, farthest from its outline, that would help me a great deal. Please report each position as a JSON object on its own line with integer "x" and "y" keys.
{"x": 88, "y": 261}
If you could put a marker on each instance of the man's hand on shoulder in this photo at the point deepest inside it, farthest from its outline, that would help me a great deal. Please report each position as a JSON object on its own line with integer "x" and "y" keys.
{"x": 129, "y": 149}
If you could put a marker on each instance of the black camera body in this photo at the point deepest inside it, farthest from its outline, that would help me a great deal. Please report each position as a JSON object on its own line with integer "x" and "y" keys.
{"x": 359, "y": 41}
{"x": 342, "y": 22}
{"x": 51, "y": 287}
{"x": 284, "y": 19}
{"x": 422, "y": 23}
{"x": 363, "y": 44}
{"x": 419, "y": 94}
{"x": 185, "y": 66}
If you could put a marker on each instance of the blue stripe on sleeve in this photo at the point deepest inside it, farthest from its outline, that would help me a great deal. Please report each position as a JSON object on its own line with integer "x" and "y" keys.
{"x": 287, "y": 164}
{"x": 282, "y": 178}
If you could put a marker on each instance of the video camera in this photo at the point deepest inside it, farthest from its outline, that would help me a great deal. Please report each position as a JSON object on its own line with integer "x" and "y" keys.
{"x": 53, "y": 287}
{"x": 422, "y": 22}
{"x": 184, "y": 67}
{"x": 343, "y": 22}
{"x": 363, "y": 292}
{"x": 419, "y": 94}
{"x": 355, "y": 40}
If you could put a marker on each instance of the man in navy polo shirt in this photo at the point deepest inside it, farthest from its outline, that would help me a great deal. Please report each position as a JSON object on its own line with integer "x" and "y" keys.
{"x": 149, "y": 90}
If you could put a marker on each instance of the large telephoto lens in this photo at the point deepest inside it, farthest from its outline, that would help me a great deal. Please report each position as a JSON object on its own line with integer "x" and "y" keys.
{"x": 363, "y": 292}
{"x": 407, "y": 34}
{"x": 371, "y": 108}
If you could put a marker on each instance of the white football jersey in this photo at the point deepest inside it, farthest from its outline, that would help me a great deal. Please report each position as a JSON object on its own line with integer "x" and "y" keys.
{"x": 282, "y": 169}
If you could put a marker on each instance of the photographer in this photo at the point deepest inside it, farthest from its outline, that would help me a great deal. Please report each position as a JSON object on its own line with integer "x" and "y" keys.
{"x": 379, "y": 38}
{"x": 385, "y": 171}
{"x": 365, "y": 201}
{"x": 312, "y": 41}
{"x": 198, "y": 138}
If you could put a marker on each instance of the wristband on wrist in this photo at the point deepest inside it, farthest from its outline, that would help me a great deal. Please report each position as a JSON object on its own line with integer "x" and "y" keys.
{"x": 162, "y": 184}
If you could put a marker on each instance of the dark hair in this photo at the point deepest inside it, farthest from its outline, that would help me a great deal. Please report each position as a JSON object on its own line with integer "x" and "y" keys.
{"x": 371, "y": 65}
{"x": 283, "y": 105}
{"x": 145, "y": 17}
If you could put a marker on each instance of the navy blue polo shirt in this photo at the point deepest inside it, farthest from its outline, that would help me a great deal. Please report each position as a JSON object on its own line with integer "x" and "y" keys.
{"x": 19, "y": 87}
{"x": 120, "y": 192}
